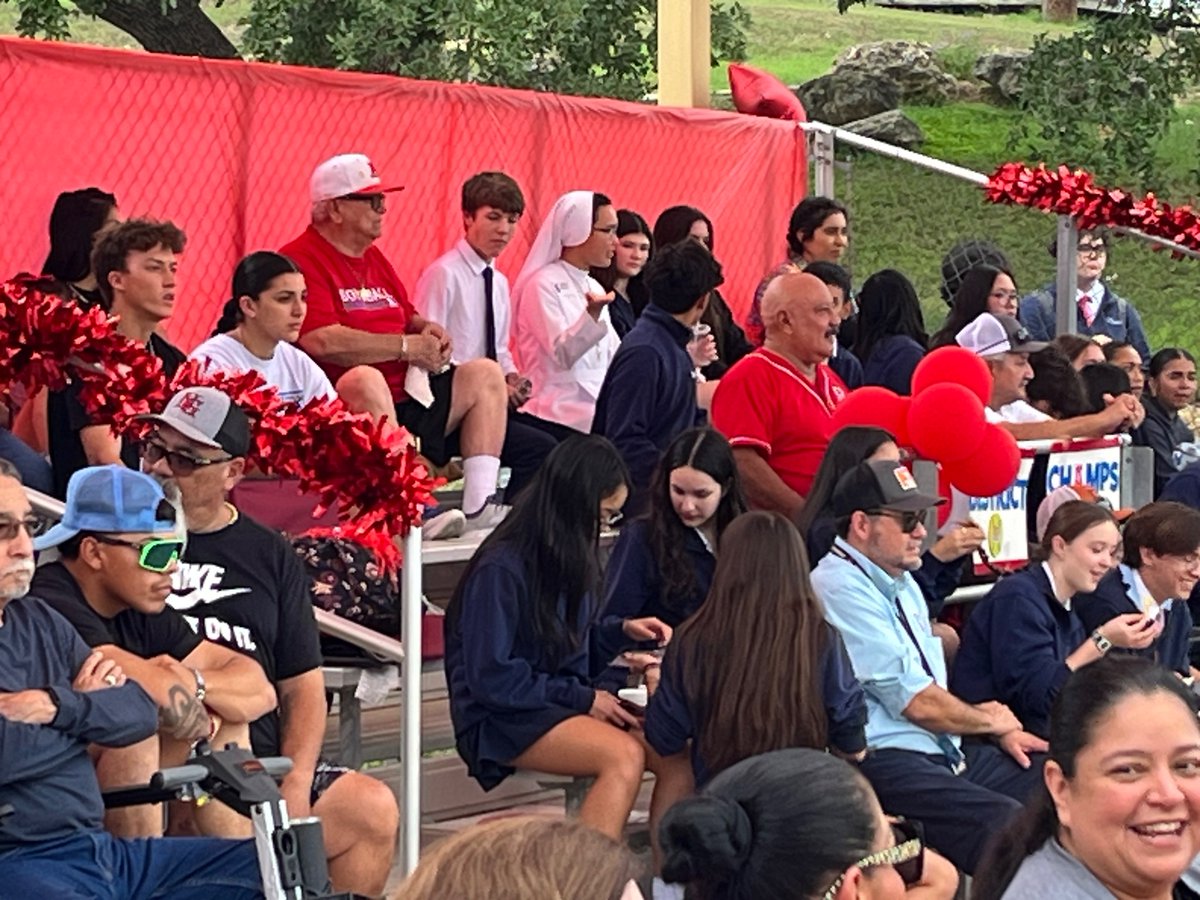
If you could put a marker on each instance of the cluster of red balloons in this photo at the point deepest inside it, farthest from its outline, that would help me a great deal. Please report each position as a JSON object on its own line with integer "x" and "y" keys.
{"x": 943, "y": 421}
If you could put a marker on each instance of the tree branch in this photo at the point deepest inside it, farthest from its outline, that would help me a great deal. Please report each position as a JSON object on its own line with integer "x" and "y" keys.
{"x": 182, "y": 27}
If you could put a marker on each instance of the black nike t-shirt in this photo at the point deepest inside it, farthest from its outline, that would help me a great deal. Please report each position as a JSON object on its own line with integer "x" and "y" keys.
{"x": 141, "y": 634}
{"x": 66, "y": 418}
{"x": 244, "y": 587}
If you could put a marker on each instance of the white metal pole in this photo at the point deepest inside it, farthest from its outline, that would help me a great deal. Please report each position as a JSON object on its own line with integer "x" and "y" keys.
{"x": 1066, "y": 289}
{"x": 411, "y": 690}
{"x": 824, "y": 158}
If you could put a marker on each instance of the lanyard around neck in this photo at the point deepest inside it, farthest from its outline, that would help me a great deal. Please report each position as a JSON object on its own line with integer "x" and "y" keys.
{"x": 895, "y": 602}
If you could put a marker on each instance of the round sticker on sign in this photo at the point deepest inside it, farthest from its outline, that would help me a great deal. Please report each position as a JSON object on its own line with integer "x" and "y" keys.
{"x": 995, "y": 535}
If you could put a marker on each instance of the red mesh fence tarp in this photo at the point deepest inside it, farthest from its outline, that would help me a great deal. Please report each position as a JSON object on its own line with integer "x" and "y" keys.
{"x": 225, "y": 150}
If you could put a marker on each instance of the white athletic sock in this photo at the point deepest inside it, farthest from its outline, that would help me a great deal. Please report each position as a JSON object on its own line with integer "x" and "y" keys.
{"x": 479, "y": 481}
{"x": 660, "y": 890}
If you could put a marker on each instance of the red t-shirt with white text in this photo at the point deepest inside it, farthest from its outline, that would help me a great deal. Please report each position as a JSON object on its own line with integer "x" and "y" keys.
{"x": 358, "y": 292}
{"x": 765, "y": 402}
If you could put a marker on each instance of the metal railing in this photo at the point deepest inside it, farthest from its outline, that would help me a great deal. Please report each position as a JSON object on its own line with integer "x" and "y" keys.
{"x": 823, "y": 142}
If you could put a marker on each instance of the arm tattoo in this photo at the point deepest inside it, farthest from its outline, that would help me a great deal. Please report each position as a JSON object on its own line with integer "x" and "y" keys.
{"x": 183, "y": 717}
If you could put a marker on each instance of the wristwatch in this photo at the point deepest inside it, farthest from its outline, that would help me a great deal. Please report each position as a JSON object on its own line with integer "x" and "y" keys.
{"x": 1102, "y": 643}
{"x": 201, "y": 687}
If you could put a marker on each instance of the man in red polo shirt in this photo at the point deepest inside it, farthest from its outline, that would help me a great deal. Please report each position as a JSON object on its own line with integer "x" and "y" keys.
{"x": 359, "y": 314}
{"x": 776, "y": 404}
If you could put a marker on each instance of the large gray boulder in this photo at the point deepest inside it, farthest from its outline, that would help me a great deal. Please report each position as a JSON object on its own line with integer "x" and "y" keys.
{"x": 1002, "y": 72}
{"x": 911, "y": 65}
{"x": 847, "y": 95}
{"x": 893, "y": 127}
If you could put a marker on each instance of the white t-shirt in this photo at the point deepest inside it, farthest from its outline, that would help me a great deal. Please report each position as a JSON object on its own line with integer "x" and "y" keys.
{"x": 290, "y": 371}
{"x": 1017, "y": 412}
{"x": 451, "y": 293}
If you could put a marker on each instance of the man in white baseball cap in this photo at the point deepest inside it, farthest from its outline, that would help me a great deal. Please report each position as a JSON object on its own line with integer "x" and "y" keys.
{"x": 347, "y": 175}
{"x": 359, "y": 314}
{"x": 1005, "y": 345}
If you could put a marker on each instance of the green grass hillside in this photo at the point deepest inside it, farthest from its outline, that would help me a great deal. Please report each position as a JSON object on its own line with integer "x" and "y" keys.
{"x": 905, "y": 217}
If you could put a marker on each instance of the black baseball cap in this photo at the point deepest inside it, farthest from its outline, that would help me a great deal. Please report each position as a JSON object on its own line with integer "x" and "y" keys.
{"x": 880, "y": 484}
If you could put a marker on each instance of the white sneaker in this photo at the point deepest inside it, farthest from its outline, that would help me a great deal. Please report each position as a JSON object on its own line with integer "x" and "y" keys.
{"x": 450, "y": 523}
{"x": 488, "y": 517}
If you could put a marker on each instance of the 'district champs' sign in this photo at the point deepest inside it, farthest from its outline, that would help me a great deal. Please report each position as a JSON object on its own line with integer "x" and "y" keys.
{"x": 1004, "y": 518}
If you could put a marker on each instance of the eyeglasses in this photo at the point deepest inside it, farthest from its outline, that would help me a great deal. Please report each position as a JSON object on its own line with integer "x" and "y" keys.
{"x": 907, "y": 857}
{"x": 376, "y": 201}
{"x": 1005, "y": 295}
{"x": 611, "y": 229}
{"x": 32, "y": 525}
{"x": 154, "y": 555}
{"x": 909, "y": 519}
{"x": 1092, "y": 250}
{"x": 180, "y": 463}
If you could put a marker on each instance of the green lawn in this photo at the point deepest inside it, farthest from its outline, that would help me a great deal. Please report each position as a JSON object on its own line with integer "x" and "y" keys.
{"x": 799, "y": 39}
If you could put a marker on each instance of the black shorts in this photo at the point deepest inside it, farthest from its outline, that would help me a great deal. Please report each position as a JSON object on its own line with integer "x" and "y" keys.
{"x": 325, "y": 774}
{"x": 428, "y": 424}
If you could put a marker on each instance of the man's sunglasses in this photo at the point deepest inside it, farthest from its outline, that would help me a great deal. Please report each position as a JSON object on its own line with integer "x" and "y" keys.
{"x": 180, "y": 463}
{"x": 33, "y": 526}
{"x": 909, "y": 520}
{"x": 377, "y": 201}
{"x": 907, "y": 856}
{"x": 154, "y": 555}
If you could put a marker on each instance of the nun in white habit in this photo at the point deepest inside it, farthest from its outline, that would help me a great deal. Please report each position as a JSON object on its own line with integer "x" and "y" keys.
{"x": 564, "y": 339}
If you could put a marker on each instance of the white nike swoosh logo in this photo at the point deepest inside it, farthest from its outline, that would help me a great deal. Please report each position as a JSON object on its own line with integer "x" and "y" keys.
{"x": 196, "y": 597}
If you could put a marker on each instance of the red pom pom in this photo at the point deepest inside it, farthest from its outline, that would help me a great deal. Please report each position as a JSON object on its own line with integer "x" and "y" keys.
{"x": 946, "y": 422}
{"x": 1075, "y": 193}
{"x": 992, "y": 468}
{"x": 953, "y": 365}
{"x": 875, "y": 406}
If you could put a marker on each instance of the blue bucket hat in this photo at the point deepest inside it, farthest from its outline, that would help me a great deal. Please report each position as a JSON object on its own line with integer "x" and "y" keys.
{"x": 111, "y": 500}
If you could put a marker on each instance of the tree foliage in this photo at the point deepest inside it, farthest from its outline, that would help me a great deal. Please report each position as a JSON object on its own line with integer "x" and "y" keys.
{"x": 594, "y": 47}
{"x": 1103, "y": 97}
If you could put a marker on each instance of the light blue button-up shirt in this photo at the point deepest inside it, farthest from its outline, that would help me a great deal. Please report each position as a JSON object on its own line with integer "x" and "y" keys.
{"x": 860, "y": 603}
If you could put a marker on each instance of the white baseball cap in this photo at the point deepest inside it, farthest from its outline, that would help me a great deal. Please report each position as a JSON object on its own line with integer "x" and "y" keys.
{"x": 348, "y": 173}
{"x": 990, "y": 335}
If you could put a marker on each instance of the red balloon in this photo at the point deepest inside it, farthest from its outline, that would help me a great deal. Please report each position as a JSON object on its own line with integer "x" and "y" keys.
{"x": 946, "y": 422}
{"x": 875, "y": 406}
{"x": 954, "y": 365}
{"x": 992, "y": 468}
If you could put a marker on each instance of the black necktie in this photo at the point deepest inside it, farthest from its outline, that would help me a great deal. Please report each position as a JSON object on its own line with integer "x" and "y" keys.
{"x": 490, "y": 349}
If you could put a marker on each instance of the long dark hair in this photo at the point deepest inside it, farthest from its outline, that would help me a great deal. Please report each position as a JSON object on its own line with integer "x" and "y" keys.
{"x": 887, "y": 305}
{"x": 849, "y": 447}
{"x": 252, "y": 276}
{"x": 628, "y": 222}
{"x": 755, "y": 689}
{"x": 1087, "y": 696}
{"x": 709, "y": 452}
{"x": 74, "y": 221}
{"x": 674, "y": 224}
{"x": 782, "y": 824}
{"x": 554, "y": 528}
{"x": 970, "y": 300}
